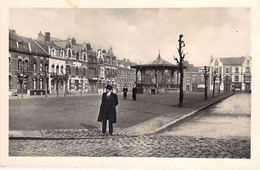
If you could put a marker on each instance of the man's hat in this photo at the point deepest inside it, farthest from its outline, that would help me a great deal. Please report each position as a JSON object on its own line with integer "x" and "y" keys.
{"x": 109, "y": 87}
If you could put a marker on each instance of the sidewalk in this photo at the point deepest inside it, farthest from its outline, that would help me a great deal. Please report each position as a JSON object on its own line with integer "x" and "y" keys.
{"x": 150, "y": 126}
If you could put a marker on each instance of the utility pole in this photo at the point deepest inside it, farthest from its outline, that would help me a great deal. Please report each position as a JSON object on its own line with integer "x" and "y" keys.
{"x": 205, "y": 72}
{"x": 180, "y": 63}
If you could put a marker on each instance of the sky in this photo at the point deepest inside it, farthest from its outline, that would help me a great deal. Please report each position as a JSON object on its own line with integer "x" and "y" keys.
{"x": 139, "y": 34}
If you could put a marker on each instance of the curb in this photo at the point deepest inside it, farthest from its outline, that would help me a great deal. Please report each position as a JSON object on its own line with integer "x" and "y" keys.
{"x": 184, "y": 117}
{"x": 133, "y": 135}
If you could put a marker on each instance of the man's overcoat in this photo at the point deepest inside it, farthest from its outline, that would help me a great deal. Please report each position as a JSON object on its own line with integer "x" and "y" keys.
{"x": 108, "y": 108}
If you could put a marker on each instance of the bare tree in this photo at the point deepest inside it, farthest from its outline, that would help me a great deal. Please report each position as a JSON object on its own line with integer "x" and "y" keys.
{"x": 180, "y": 63}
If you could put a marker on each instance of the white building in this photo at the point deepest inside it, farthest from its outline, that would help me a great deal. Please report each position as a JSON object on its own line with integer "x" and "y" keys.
{"x": 234, "y": 72}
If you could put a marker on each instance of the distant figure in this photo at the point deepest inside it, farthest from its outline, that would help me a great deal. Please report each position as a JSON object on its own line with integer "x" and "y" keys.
{"x": 108, "y": 110}
{"x": 134, "y": 92}
{"x": 125, "y": 90}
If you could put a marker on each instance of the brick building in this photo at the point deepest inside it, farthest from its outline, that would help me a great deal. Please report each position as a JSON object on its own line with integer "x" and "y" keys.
{"x": 27, "y": 63}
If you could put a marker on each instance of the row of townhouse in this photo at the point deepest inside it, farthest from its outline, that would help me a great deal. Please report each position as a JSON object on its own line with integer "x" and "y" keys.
{"x": 58, "y": 66}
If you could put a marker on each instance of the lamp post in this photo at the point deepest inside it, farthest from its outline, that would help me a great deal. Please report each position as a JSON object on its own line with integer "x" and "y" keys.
{"x": 23, "y": 71}
{"x": 220, "y": 81}
{"x": 205, "y": 72}
{"x": 45, "y": 69}
{"x": 214, "y": 75}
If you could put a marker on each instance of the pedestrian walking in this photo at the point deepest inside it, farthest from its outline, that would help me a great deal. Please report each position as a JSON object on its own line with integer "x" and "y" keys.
{"x": 125, "y": 90}
{"x": 108, "y": 110}
{"x": 134, "y": 92}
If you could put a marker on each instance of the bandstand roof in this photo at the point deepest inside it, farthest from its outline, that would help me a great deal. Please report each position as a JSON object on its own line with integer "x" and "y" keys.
{"x": 158, "y": 63}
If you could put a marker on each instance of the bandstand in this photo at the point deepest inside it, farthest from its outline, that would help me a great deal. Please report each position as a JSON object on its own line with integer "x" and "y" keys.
{"x": 158, "y": 76}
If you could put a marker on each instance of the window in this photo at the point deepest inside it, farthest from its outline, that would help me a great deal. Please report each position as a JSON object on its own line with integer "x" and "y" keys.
{"x": 61, "y": 69}
{"x": 57, "y": 69}
{"x": 34, "y": 66}
{"x": 85, "y": 57}
{"x": 247, "y": 62}
{"x": 26, "y": 64}
{"x": 41, "y": 66}
{"x": 34, "y": 83}
{"x": 61, "y": 53}
{"x": 19, "y": 64}
{"x": 236, "y": 70}
{"x": 52, "y": 68}
{"x": 216, "y": 70}
{"x": 41, "y": 84}
{"x": 247, "y": 69}
{"x": 77, "y": 71}
{"x": 236, "y": 78}
{"x": 227, "y": 70}
{"x": 69, "y": 54}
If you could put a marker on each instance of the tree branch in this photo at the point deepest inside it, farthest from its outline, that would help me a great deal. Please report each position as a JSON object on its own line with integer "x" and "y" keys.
{"x": 176, "y": 59}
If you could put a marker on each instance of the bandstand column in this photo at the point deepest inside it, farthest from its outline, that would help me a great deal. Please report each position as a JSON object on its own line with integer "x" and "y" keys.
{"x": 171, "y": 77}
{"x": 136, "y": 76}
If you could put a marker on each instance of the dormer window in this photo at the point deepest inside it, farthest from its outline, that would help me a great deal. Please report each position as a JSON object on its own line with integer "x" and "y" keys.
{"x": 61, "y": 54}
{"x": 69, "y": 54}
{"x": 247, "y": 62}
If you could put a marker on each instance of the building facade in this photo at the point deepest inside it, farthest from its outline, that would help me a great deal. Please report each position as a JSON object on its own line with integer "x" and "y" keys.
{"x": 27, "y": 64}
{"x": 125, "y": 74}
{"x": 194, "y": 80}
{"x": 231, "y": 73}
{"x": 107, "y": 69}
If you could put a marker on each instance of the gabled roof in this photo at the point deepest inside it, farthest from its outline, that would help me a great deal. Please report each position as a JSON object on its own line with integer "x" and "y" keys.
{"x": 36, "y": 48}
{"x": 232, "y": 60}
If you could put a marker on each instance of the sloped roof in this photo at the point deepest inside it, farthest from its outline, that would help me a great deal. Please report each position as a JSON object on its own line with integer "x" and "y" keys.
{"x": 159, "y": 61}
{"x": 232, "y": 60}
{"x": 61, "y": 44}
{"x": 36, "y": 48}
{"x": 23, "y": 45}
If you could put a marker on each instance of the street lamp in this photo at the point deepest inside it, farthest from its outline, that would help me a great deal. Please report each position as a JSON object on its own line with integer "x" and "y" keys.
{"x": 45, "y": 69}
{"x": 21, "y": 77}
{"x": 205, "y": 72}
{"x": 214, "y": 75}
{"x": 220, "y": 81}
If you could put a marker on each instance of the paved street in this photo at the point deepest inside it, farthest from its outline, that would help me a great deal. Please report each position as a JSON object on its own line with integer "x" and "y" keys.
{"x": 229, "y": 119}
{"x": 142, "y": 146}
{"x": 175, "y": 142}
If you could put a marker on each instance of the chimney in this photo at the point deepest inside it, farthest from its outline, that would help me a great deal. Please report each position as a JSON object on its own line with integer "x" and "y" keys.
{"x": 73, "y": 41}
{"x": 47, "y": 36}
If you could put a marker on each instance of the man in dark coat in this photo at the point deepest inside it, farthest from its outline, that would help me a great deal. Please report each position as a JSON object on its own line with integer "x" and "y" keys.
{"x": 134, "y": 92}
{"x": 108, "y": 110}
{"x": 125, "y": 90}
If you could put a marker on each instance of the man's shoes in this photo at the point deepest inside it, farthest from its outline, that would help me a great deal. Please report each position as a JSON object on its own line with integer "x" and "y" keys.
{"x": 111, "y": 134}
{"x": 103, "y": 134}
